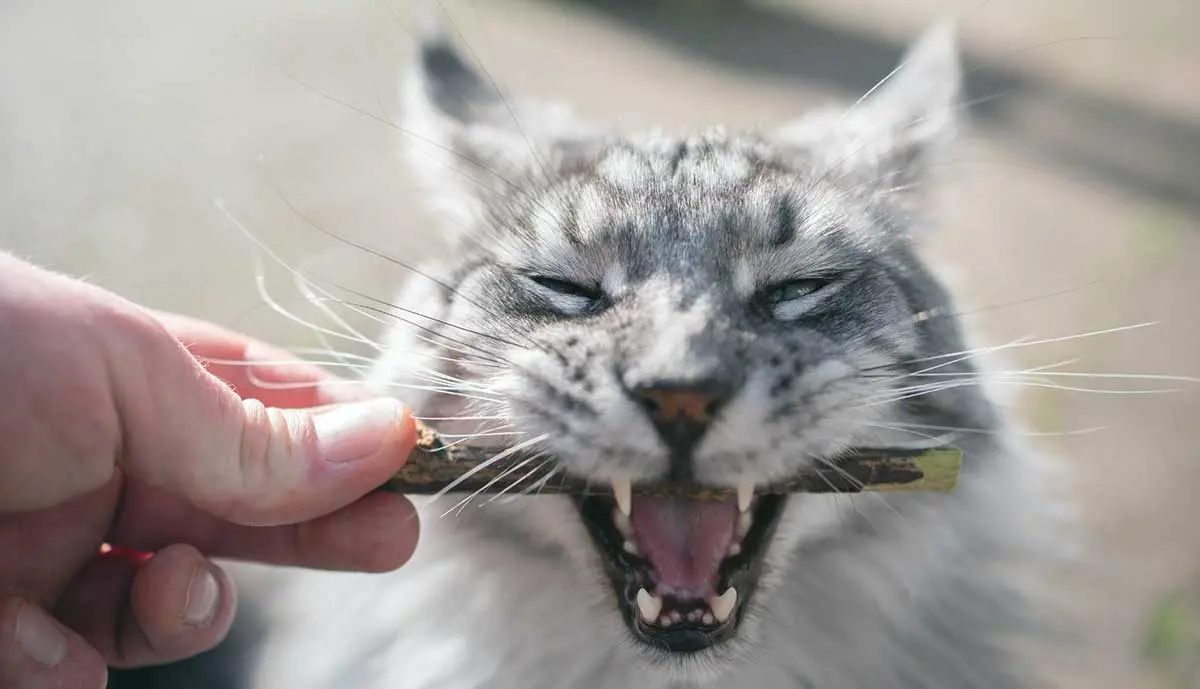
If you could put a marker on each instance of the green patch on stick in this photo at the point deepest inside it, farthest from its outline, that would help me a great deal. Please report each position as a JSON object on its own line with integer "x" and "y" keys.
{"x": 1172, "y": 644}
{"x": 940, "y": 469}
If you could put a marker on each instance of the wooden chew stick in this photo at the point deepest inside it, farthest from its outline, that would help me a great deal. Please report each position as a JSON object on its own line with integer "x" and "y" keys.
{"x": 433, "y": 467}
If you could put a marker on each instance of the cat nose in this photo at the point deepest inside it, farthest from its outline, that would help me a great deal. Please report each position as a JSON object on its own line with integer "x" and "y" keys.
{"x": 681, "y": 413}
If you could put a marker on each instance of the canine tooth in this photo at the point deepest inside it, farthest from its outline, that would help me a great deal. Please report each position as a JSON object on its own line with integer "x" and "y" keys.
{"x": 623, "y": 493}
{"x": 735, "y": 549}
{"x": 621, "y": 520}
{"x": 745, "y": 495}
{"x": 648, "y": 606}
{"x": 722, "y": 605}
{"x": 745, "y": 521}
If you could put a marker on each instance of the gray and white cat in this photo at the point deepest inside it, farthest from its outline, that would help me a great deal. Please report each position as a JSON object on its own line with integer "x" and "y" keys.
{"x": 721, "y": 307}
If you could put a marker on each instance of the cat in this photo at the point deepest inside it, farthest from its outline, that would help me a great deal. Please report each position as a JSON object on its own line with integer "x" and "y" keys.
{"x": 722, "y": 307}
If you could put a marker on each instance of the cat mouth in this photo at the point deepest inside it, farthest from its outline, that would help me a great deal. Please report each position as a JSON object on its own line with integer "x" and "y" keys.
{"x": 683, "y": 570}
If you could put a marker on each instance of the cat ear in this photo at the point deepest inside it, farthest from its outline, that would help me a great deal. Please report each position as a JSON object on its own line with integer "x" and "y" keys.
{"x": 889, "y": 139}
{"x": 467, "y": 140}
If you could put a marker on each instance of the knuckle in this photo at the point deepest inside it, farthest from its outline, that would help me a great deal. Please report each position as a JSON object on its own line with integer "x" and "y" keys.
{"x": 256, "y": 446}
{"x": 269, "y": 458}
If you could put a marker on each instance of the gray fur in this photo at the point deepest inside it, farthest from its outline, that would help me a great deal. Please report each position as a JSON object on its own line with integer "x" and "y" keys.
{"x": 682, "y": 235}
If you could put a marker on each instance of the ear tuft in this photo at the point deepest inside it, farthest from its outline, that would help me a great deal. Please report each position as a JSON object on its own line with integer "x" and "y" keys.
{"x": 468, "y": 141}
{"x": 900, "y": 128}
{"x": 921, "y": 98}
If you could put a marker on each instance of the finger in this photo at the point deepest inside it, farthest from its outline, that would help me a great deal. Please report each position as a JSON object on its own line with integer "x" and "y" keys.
{"x": 375, "y": 534}
{"x": 37, "y": 652}
{"x": 256, "y": 370}
{"x": 41, "y": 550}
{"x": 187, "y": 432}
{"x": 137, "y": 611}
{"x": 57, "y": 421}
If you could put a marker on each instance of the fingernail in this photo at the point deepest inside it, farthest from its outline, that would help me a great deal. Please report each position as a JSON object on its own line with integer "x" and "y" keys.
{"x": 203, "y": 594}
{"x": 39, "y": 637}
{"x": 355, "y": 431}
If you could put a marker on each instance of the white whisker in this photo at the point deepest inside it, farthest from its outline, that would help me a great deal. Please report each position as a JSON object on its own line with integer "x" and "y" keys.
{"x": 488, "y": 462}
{"x": 984, "y": 431}
{"x": 520, "y": 480}
{"x": 462, "y": 504}
{"x": 1024, "y": 342}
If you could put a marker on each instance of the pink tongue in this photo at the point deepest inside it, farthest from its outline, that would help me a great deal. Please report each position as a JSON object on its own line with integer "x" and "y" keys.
{"x": 684, "y": 540}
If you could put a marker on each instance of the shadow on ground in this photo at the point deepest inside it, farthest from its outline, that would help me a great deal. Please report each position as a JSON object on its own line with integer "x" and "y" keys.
{"x": 1111, "y": 141}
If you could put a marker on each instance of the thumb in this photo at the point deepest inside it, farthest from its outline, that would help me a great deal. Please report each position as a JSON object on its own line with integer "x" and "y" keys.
{"x": 37, "y": 652}
{"x": 187, "y": 432}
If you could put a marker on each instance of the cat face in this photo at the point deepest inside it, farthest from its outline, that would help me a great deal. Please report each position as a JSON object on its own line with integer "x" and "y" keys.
{"x": 720, "y": 308}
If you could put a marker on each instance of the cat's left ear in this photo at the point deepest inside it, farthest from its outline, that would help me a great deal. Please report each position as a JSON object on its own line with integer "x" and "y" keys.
{"x": 889, "y": 140}
{"x": 468, "y": 141}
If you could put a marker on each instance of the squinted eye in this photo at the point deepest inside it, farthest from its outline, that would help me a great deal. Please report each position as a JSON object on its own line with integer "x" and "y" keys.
{"x": 787, "y": 300}
{"x": 566, "y": 297}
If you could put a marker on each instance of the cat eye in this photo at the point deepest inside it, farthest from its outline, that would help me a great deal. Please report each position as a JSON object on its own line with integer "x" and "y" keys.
{"x": 794, "y": 289}
{"x": 787, "y": 300}
{"x": 568, "y": 297}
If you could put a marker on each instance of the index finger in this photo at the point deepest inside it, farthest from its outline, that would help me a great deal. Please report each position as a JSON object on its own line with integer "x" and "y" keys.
{"x": 259, "y": 371}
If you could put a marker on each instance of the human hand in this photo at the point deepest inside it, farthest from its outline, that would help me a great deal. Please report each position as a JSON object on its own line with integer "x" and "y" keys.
{"x": 111, "y": 431}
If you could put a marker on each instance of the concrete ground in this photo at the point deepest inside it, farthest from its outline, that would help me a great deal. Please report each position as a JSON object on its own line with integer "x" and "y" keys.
{"x": 1074, "y": 209}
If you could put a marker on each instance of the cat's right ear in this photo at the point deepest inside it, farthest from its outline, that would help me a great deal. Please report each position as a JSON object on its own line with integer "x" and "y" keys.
{"x": 890, "y": 140}
{"x": 467, "y": 140}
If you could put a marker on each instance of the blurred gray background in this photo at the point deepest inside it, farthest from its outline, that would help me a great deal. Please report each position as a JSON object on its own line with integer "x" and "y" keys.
{"x": 1074, "y": 207}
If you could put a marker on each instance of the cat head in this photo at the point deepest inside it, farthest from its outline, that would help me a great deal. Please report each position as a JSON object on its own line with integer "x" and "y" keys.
{"x": 726, "y": 308}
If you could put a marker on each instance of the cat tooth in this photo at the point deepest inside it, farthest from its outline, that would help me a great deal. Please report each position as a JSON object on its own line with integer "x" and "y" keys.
{"x": 734, "y": 550}
{"x": 621, "y": 521}
{"x": 648, "y": 606}
{"x": 745, "y": 521}
{"x": 630, "y": 547}
{"x": 745, "y": 495}
{"x": 622, "y": 489}
{"x": 722, "y": 605}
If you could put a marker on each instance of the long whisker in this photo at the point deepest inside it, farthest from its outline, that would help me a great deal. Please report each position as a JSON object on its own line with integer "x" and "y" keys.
{"x": 937, "y": 440}
{"x": 368, "y": 250}
{"x": 305, "y": 288}
{"x": 407, "y": 132}
{"x": 837, "y": 166}
{"x": 857, "y": 484}
{"x": 1023, "y": 342}
{"x": 985, "y": 431}
{"x": 498, "y": 92}
{"x": 524, "y": 477}
{"x": 299, "y": 385}
{"x": 418, "y": 314}
{"x": 462, "y": 504}
{"x": 488, "y": 462}
{"x": 541, "y": 483}
{"x": 461, "y": 418}
{"x": 1080, "y": 374}
{"x": 480, "y": 352}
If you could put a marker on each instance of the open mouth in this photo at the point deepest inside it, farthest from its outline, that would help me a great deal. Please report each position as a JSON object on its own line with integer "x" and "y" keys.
{"x": 683, "y": 570}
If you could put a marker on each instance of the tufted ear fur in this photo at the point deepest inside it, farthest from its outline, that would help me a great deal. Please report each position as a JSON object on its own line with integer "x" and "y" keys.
{"x": 468, "y": 141}
{"x": 887, "y": 142}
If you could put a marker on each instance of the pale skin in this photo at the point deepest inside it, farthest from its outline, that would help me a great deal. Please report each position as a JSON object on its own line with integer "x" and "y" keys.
{"x": 113, "y": 431}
